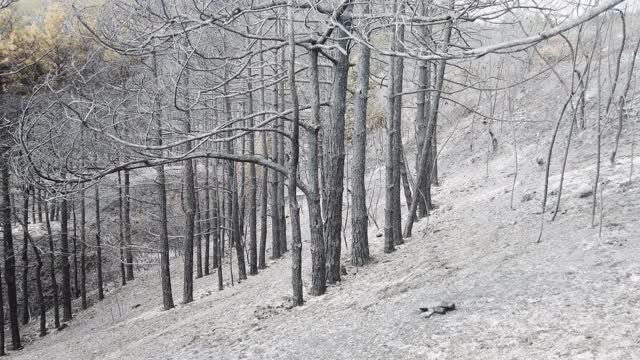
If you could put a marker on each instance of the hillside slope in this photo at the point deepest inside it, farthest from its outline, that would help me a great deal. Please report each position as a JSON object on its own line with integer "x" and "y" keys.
{"x": 574, "y": 295}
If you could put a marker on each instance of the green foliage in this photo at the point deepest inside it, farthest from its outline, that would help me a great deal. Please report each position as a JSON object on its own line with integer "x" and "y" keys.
{"x": 30, "y": 50}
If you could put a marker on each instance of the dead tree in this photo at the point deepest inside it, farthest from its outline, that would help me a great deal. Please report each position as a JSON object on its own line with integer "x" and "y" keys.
{"x": 359, "y": 219}
{"x": 333, "y": 154}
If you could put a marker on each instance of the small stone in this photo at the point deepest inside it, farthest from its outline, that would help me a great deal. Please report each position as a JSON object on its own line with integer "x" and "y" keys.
{"x": 585, "y": 193}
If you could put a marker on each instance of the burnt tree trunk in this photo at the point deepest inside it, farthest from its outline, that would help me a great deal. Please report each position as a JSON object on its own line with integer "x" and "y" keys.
{"x": 52, "y": 269}
{"x": 83, "y": 251}
{"x": 198, "y": 227}
{"x": 25, "y": 256}
{"x": 207, "y": 218}
{"x": 294, "y": 207}
{"x": 9, "y": 255}
{"x": 2, "y": 352}
{"x": 318, "y": 256}
{"x": 333, "y": 157}
{"x": 41, "y": 304}
{"x": 123, "y": 272}
{"x": 127, "y": 225}
{"x": 275, "y": 209}
{"x": 281, "y": 153}
{"x": 253, "y": 201}
{"x": 264, "y": 195}
{"x": 397, "y": 133}
{"x": 189, "y": 206}
{"x": 423, "y": 106}
{"x": 215, "y": 224}
{"x": 359, "y": 218}
{"x": 99, "y": 245}
{"x": 165, "y": 272}
{"x": 66, "y": 267}
{"x": 75, "y": 253}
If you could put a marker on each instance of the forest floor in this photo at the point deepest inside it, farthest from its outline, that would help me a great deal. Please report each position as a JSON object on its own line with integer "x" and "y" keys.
{"x": 573, "y": 295}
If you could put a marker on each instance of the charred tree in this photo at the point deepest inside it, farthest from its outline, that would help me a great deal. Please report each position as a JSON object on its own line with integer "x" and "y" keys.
{"x": 52, "y": 269}
{"x": 25, "y": 255}
{"x": 9, "y": 255}
{"x": 359, "y": 218}
{"x": 333, "y": 156}
{"x": 99, "y": 245}
{"x": 318, "y": 256}
{"x": 127, "y": 225}
{"x": 66, "y": 267}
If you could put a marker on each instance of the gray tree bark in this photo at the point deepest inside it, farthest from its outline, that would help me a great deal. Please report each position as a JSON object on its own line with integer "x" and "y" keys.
{"x": 198, "y": 227}
{"x": 275, "y": 208}
{"x": 25, "y": 255}
{"x": 165, "y": 273}
{"x": 98, "y": 244}
{"x": 294, "y": 207}
{"x": 333, "y": 157}
{"x": 123, "y": 271}
{"x": 318, "y": 256}
{"x": 359, "y": 218}
{"x": 66, "y": 266}
{"x": 207, "y": 218}
{"x": 127, "y": 225}
{"x": 9, "y": 254}
{"x": 253, "y": 201}
{"x": 83, "y": 250}
{"x": 265, "y": 176}
{"x": 52, "y": 269}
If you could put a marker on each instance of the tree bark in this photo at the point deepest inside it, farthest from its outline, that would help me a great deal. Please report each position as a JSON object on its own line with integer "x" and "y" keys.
{"x": 189, "y": 214}
{"x": 281, "y": 154}
{"x": 2, "y": 317}
{"x": 423, "y": 106}
{"x": 25, "y": 255}
{"x": 359, "y": 218}
{"x": 83, "y": 251}
{"x": 52, "y": 269}
{"x": 397, "y": 133}
{"x": 389, "y": 208}
{"x": 127, "y": 225}
{"x": 198, "y": 227}
{"x": 41, "y": 305}
{"x": 262, "y": 264}
{"x": 40, "y": 205}
{"x": 9, "y": 255}
{"x": 123, "y": 272}
{"x": 99, "y": 245}
{"x": 215, "y": 219}
{"x": 207, "y": 218}
{"x": 66, "y": 267}
{"x": 253, "y": 201}
{"x": 318, "y": 256}
{"x": 275, "y": 209}
{"x": 165, "y": 272}
{"x": 333, "y": 157}
{"x": 294, "y": 207}
{"x": 75, "y": 253}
